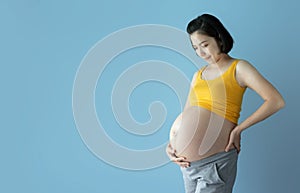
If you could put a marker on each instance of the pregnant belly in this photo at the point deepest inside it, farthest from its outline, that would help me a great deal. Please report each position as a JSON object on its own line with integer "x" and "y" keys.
{"x": 198, "y": 133}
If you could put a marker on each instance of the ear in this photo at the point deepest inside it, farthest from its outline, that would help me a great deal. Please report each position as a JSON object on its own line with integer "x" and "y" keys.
{"x": 220, "y": 44}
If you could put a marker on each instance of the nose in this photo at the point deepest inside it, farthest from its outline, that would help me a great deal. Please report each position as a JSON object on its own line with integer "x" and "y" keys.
{"x": 201, "y": 53}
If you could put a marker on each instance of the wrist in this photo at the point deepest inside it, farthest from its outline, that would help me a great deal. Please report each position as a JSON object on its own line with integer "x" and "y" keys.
{"x": 238, "y": 129}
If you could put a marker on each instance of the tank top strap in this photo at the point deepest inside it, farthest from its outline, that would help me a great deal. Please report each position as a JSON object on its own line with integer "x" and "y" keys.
{"x": 200, "y": 72}
{"x": 233, "y": 65}
{"x": 231, "y": 70}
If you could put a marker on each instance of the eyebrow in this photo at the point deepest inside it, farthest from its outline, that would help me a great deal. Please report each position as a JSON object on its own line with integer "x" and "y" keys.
{"x": 201, "y": 42}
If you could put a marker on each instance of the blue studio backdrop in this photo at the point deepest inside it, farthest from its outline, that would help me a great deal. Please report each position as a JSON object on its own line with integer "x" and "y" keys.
{"x": 136, "y": 90}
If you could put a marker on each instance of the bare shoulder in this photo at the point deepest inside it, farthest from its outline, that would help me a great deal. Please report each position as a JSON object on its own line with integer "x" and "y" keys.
{"x": 246, "y": 73}
{"x": 250, "y": 77}
{"x": 244, "y": 66}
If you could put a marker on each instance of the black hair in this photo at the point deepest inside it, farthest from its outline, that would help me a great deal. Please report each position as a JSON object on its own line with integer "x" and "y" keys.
{"x": 211, "y": 26}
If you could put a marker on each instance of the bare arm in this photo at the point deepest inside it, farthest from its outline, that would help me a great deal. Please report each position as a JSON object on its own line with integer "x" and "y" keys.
{"x": 248, "y": 76}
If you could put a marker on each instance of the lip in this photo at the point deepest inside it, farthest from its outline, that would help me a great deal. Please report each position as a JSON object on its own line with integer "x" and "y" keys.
{"x": 207, "y": 58}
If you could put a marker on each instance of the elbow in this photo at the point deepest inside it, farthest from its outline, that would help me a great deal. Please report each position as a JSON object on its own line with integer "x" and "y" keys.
{"x": 276, "y": 103}
{"x": 279, "y": 103}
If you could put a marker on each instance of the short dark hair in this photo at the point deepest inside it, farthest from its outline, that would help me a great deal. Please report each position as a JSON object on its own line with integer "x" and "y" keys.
{"x": 211, "y": 26}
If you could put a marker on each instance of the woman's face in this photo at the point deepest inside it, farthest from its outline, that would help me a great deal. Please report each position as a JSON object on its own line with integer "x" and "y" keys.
{"x": 206, "y": 47}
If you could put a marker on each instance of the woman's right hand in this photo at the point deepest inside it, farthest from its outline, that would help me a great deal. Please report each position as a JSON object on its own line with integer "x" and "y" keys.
{"x": 181, "y": 161}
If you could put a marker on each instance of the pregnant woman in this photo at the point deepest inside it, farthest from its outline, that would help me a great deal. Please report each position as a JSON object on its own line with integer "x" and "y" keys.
{"x": 205, "y": 138}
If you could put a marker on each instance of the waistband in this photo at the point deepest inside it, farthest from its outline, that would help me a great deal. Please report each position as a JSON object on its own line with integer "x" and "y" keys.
{"x": 216, "y": 157}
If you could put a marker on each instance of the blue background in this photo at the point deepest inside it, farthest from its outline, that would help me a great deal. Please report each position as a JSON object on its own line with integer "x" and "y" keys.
{"x": 42, "y": 44}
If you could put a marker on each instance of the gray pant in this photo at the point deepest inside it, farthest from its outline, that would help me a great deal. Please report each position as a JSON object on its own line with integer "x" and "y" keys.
{"x": 214, "y": 174}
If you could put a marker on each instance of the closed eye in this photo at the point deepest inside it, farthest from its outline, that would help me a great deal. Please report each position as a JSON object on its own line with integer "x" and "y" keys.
{"x": 204, "y": 45}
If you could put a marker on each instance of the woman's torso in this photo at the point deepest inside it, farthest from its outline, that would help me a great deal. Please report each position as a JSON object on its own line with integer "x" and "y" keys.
{"x": 203, "y": 129}
{"x": 198, "y": 133}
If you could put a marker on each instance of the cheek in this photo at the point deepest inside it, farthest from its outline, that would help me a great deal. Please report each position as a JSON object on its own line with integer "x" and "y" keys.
{"x": 215, "y": 50}
{"x": 197, "y": 52}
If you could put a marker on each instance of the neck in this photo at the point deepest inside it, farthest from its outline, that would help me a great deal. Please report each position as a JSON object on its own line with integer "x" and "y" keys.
{"x": 221, "y": 60}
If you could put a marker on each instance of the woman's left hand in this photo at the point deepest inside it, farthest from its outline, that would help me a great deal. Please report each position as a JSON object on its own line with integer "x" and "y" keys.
{"x": 234, "y": 140}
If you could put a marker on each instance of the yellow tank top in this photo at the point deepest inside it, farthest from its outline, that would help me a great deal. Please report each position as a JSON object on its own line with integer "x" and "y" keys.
{"x": 222, "y": 95}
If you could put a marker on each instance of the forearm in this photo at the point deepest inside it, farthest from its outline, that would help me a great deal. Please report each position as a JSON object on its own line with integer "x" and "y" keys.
{"x": 268, "y": 108}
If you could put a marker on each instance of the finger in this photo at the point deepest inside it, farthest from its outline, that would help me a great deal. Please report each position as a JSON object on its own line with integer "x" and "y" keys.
{"x": 171, "y": 155}
{"x": 174, "y": 152}
{"x": 184, "y": 164}
{"x": 238, "y": 148}
{"x": 169, "y": 147}
{"x": 170, "y": 150}
{"x": 228, "y": 146}
{"x": 179, "y": 159}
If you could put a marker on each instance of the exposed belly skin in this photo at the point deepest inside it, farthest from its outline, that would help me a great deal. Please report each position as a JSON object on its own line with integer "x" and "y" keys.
{"x": 198, "y": 133}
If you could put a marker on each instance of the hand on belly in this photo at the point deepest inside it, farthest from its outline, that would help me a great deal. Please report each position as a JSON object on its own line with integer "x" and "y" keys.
{"x": 197, "y": 133}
